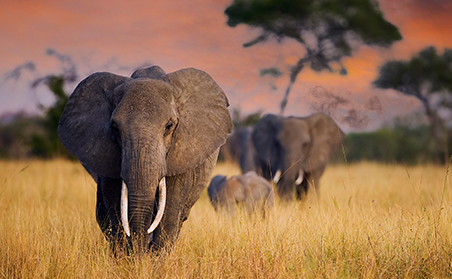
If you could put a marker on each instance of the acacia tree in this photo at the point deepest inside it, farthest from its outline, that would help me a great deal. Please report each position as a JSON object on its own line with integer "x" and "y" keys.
{"x": 428, "y": 77}
{"x": 48, "y": 144}
{"x": 328, "y": 30}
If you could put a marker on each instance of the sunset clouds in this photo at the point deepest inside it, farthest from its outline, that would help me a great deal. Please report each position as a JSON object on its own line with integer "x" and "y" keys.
{"x": 120, "y": 36}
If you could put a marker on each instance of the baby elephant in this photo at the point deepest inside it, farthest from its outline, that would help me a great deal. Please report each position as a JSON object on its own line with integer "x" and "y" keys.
{"x": 248, "y": 189}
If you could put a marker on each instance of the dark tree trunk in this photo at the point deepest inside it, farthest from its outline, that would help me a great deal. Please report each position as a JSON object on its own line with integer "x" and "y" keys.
{"x": 293, "y": 77}
{"x": 437, "y": 129}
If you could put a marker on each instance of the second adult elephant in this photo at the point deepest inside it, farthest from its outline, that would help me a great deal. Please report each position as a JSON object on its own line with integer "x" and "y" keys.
{"x": 294, "y": 151}
{"x": 248, "y": 189}
{"x": 239, "y": 149}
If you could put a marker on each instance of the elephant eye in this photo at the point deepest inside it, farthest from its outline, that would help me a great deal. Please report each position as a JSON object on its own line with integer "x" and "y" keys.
{"x": 168, "y": 127}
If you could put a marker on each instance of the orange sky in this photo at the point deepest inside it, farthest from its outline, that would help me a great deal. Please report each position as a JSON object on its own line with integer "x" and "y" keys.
{"x": 119, "y": 36}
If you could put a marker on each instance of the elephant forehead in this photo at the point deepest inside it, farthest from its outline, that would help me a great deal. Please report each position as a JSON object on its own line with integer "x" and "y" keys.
{"x": 295, "y": 130}
{"x": 146, "y": 98}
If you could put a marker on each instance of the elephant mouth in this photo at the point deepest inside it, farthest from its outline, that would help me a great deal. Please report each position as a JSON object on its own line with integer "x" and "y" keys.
{"x": 158, "y": 216}
{"x": 298, "y": 181}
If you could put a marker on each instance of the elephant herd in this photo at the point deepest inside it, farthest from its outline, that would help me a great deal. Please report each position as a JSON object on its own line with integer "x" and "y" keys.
{"x": 151, "y": 142}
{"x": 292, "y": 152}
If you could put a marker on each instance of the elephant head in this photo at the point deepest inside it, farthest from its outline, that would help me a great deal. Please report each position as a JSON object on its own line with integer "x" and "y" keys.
{"x": 151, "y": 137}
{"x": 305, "y": 148}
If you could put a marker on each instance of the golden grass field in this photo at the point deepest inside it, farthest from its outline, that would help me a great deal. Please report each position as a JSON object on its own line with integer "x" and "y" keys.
{"x": 371, "y": 221}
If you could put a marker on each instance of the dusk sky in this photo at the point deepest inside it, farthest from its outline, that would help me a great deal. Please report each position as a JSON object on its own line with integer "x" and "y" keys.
{"x": 120, "y": 36}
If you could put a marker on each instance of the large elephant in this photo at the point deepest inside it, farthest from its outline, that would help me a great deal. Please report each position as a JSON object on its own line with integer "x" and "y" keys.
{"x": 239, "y": 149}
{"x": 151, "y": 142}
{"x": 294, "y": 151}
{"x": 249, "y": 189}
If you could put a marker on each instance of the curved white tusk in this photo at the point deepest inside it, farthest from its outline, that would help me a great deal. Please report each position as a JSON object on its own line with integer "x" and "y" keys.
{"x": 124, "y": 209}
{"x": 162, "y": 202}
{"x": 277, "y": 176}
{"x": 300, "y": 178}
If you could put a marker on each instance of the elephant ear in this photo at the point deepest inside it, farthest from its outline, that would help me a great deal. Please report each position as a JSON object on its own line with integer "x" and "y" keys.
{"x": 84, "y": 127}
{"x": 326, "y": 139}
{"x": 204, "y": 120}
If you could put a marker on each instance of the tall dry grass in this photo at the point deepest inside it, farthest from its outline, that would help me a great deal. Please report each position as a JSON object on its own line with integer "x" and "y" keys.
{"x": 371, "y": 221}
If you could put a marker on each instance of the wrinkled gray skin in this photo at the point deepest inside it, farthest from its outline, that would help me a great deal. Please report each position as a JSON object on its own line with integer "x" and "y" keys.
{"x": 139, "y": 130}
{"x": 299, "y": 148}
{"x": 239, "y": 149}
{"x": 248, "y": 189}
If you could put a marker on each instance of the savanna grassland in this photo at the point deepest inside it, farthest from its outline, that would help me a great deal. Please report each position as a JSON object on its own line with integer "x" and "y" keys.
{"x": 371, "y": 221}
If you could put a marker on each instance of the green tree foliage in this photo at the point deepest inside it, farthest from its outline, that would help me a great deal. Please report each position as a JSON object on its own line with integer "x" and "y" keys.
{"x": 428, "y": 77}
{"x": 23, "y": 136}
{"x": 326, "y": 29}
{"x": 47, "y": 144}
{"x": 16, "y": 132}
{"x": 244, "y": 121}
{"x": 397, "y": 145}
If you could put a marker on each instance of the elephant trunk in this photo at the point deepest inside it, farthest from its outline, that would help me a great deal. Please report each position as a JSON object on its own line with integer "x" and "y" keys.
{"x": 125, "y": 204}
{"x": 290, "y": 173}
{"x": 142, "y": 180}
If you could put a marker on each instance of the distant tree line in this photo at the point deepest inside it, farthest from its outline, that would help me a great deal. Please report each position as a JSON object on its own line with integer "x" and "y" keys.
{"x": 241, "y": 121}
{"x": 16, "y": 133}
{"x": 400, "y": 144}
{"x": 27, "y": 136}
{"x": 30, "y": 136}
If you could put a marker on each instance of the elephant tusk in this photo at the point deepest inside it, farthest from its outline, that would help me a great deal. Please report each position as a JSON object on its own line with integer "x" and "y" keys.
{"x": 300, "y": 178}
{"x": 277, "y": 176}
{"x": 161, "y": 208}
{"x": 124, "y": 209}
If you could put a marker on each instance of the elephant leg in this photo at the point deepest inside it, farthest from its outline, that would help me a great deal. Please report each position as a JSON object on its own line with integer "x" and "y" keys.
{"x": 184, "y": 192}
{"x": 268, "y": 202}
{"x": 250, "y": 204}
{"x": 229, "y": 206}
{"x": 109, "y": 192}
{"x": 266, "y": 171}
{"x": 102, "y": 216}
{"x": 301, "y": 190}
{"x": 285, "y": 187}
{"x": 311, "y": 181}
{"x": 316, "y": 174}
